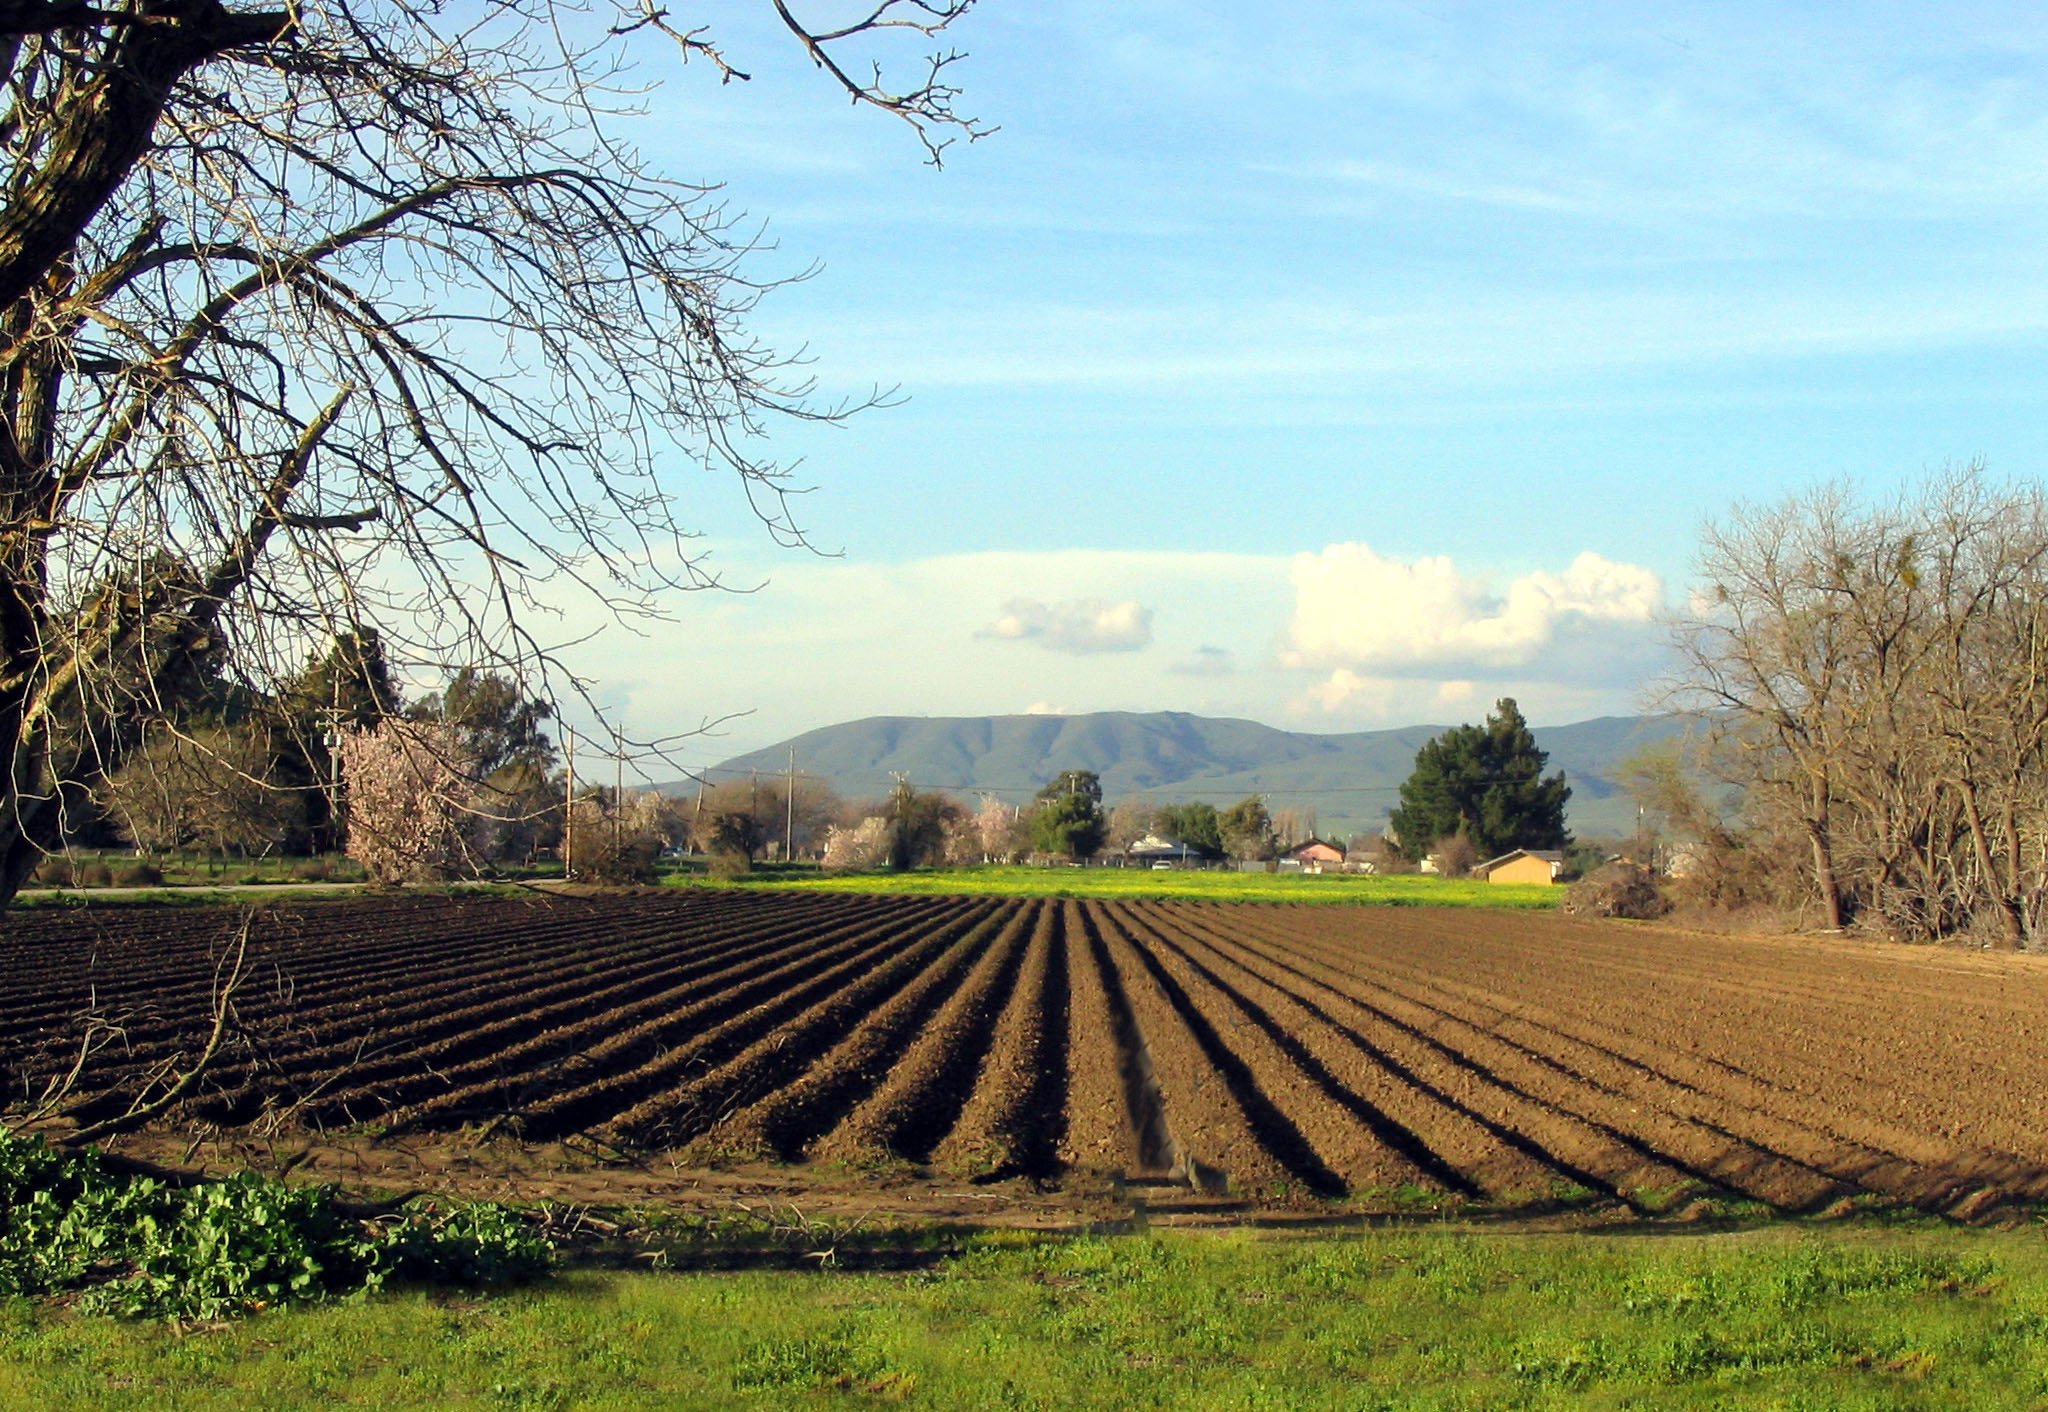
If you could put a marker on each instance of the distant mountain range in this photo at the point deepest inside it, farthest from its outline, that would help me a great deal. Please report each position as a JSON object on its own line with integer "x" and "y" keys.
{"x": 1351, "y": 782}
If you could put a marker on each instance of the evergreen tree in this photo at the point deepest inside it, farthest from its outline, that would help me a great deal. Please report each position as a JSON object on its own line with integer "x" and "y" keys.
{"x": 1069, "y": 817}
{"x": 500, "y": 724}
{"x": 1485, "y": 782}
{"x": 349, "y": 687}
{"x": 1197, "y": 826}
{"x": 1247, "y": 830}
{"x": 917, "y": 826}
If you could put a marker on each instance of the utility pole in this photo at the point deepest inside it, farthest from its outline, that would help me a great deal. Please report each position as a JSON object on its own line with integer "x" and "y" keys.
{"x": 569, "y": 811}
{"x": 333, "y": 740}
{"x": 789, "y": 811}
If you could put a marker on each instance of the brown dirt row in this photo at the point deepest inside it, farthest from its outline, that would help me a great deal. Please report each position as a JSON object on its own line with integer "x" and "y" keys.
{"x": 1307, "y": 1118}
{"x": 921, "y": 1093}
{"x": 559, "y": 1082}
{"x": 497, "y": 1041}
{"x": 315, "y": 942}
{"x": 291, "y": 1046}
{"x": 1762, "y": 1150}
{"x": 1363, "y": 1140}
{"x": 317, "y": 991}
{"x": 1821, "y": 1077}
{"x": 784, "y": 1124}
{"x": 1416, "y": 1093}
{"x": 1515, "y": 1099}
{"x": 1827, "y": 1137}
{"x": 1203, "y": 1109}
{"x": 1110, "y": 1096}
{"x": 768, "y": 1047}
{"x": 1015, "y": 1113}
{"x": 1301, "y": 1051}
{"x": 370, "y": 1071}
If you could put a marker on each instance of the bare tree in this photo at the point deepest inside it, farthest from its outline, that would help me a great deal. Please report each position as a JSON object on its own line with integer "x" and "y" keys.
{"x": 211, "y": 786}
{"x": 352, "y": 314}
{"x": 1876, "y": 677}
{"x": 1129, "y": 822}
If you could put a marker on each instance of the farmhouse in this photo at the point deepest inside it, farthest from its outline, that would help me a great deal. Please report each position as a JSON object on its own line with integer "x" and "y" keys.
{"x": 1523, "y": 865}
{"x": 1154, "y": 849}
{"x": 1315, "y": 851}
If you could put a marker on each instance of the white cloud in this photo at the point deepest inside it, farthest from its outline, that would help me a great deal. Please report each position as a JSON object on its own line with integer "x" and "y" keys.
{"x": 1347, "y": 690}
{"x": 1044, "y": 708}
{"x": 1077, "y": 625}
{"x": 1360, "y": 612}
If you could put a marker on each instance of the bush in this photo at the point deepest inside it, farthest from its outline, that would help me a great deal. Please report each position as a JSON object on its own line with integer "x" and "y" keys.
{"x": 139, "y": 1246}
{"x": 730, "y": 865}
{"x": 1456, "y": 856}
{"x": 139, "y": 875}
{"x": 1616, "y": 890}
{"x": 312, "y": 870}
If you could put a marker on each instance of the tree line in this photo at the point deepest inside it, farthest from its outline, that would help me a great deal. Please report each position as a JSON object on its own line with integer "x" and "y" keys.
{"x": 468, "y": 779}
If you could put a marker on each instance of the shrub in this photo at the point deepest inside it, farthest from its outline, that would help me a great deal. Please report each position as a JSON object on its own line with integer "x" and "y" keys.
{"x": 618, "y": 842}
{"x": 312, "y": 870}
{"x": 1616, "y": 890}
{"x": 1456, "y": 855}
{"x": 730, "y": 865}
{"x": 139, "y": 1246}
{"x": 139, "y": 875}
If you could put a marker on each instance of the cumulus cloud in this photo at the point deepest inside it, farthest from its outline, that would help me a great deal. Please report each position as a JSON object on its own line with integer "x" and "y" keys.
{"x": 1347, "y": 689}
{"x": 1359, "y": 612}
{"x": 1077, "y": 625}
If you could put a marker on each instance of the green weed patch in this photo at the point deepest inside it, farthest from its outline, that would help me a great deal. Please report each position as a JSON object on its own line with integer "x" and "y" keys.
{"x": 121, "y": 1244}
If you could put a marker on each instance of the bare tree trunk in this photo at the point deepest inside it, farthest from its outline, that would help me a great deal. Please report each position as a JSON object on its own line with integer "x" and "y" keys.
{"x": 1825, "y": 881}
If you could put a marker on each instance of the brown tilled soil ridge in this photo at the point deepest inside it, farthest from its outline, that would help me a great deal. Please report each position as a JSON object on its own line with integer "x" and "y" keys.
{"x": 1175, "y": 1060}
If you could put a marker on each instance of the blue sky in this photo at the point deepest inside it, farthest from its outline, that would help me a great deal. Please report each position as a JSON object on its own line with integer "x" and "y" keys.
{"x": 1344, "y": 367}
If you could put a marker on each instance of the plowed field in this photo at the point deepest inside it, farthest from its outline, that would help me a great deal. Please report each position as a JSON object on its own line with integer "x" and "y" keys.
{"x": 1289, "y": 1054}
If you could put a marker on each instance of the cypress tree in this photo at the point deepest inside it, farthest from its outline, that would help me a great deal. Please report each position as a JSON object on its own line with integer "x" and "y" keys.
{"x": 1485, "y": 782}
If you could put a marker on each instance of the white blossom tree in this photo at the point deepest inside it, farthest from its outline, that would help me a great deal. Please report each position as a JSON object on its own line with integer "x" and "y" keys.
{"x": 864, "y": 845}
{"x": 412, "y": 800}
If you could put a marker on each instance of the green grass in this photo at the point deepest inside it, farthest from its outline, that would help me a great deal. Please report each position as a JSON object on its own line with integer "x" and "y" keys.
{"x": 1411, "y": 890}
{"x": 1787, "y": 1316}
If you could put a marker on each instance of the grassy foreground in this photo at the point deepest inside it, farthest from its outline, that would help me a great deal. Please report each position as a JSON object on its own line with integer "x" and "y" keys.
{"x": 1400, "y": 890}
{"x": 1794, "y": 1316}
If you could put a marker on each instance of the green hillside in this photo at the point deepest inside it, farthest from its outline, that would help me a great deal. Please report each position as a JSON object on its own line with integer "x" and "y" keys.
{"x": 1349, "y": 781}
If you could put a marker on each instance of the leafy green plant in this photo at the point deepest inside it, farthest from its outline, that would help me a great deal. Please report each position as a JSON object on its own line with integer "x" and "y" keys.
{"x": 138, "y": 1246}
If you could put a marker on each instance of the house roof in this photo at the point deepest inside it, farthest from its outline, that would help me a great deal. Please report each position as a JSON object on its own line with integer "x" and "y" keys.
{"x": 1548, "y": 855}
